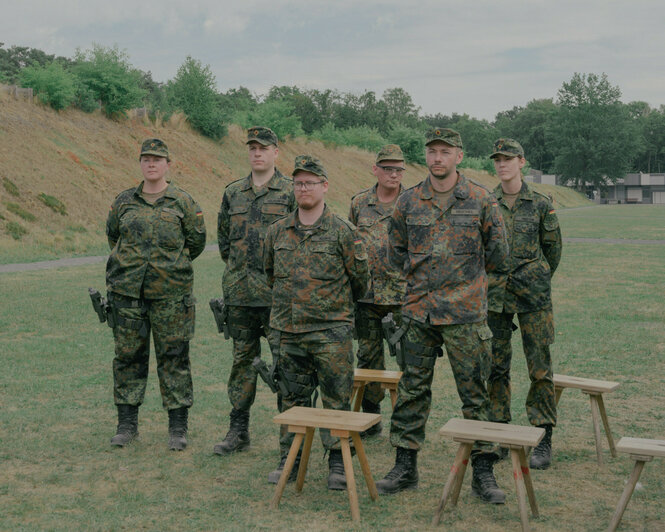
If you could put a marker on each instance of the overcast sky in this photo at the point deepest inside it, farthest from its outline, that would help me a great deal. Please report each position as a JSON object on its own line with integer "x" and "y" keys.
{"x": 475, "y": 56}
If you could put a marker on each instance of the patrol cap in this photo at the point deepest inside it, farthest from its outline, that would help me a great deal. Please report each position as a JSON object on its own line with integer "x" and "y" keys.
{"x": 308, "y": 163}
{"x": 507, "y": 147}
{"x": 390, "y": 152}
{"x": 262, "y": 135}
{"x": 154, "y": 147}
{"x": 449, "y": 136}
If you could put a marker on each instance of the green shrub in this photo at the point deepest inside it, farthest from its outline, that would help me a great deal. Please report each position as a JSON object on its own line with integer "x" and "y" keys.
{"x": 478, "y": 163}
{"x": 77, "y": 229}
{"x": 277, "y": 115}
{"x": 10, "y": 187}
{"x": 411, "y": 140}
{"x": 52, "y": 84}
{"x": 20, "y": 211}
{"x": 16, "y": 230}
{"x": 53, "y": 203}
{"x": 364, "y": 137}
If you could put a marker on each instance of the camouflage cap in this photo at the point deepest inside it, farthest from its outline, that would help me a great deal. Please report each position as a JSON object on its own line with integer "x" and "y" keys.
{"x": 507, "y": 147}
{"x": 154, "y": 147}
{"x": 390, "y": 152}
{"x": 443, "y": 134}
{"x": 262, "y": 135}
{"x": 311, "y": 164}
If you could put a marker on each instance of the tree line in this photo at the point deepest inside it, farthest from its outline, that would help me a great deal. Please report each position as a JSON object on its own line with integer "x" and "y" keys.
{"x": 584, "y": 134}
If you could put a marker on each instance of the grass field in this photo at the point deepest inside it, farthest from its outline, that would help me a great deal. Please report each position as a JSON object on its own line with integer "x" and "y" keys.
{"x": 58, "y": 472}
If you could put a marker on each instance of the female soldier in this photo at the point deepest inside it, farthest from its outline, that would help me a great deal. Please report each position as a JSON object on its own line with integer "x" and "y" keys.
{"x": 154, "y": 230}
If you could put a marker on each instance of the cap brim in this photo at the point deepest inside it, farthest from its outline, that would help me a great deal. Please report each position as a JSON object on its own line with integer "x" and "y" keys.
{"x": 444, "y": 141}
{"x": 155, "y": 153}
{"x": 261, "y": 141}
{"x": 506, "y": 153}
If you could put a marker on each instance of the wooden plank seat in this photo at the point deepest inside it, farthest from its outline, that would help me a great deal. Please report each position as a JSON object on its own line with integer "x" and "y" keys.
{"x": 641, "y": 451}
{"x": 344, "y": 424}
{"x": 388, "y": 380}
{"x": 515, "y": 437}
{"x": 594, "y": 389}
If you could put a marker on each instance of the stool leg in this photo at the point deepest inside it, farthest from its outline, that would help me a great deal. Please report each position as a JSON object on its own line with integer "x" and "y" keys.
{"x": 359, "y": 397}
{"x": 393, "y": 396}
{"x": 350, "y": 480}
{"x": 595, "y": 416}
{"x": 462, "y": 455}
{"x": 454, "y": 495}
{"x": 606, "y": 425}
{"x": 364, "y": 465}
{"x": 520, "y": 488}
{"x": 304, "y": 458}
{"x": 625, "y": 496}
{"x": 526, "y": 473}
{"x": 290, "y": 460}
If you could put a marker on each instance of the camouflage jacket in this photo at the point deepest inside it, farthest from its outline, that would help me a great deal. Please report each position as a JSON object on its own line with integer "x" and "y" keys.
{"x": 315, "y": 275}
{"x": 535, "y": 244}
{"x": 446, "y": 250}
{"x": 242, "y": 223}
{"x": 372, "y": 220}
{"x": 152, "y": 246}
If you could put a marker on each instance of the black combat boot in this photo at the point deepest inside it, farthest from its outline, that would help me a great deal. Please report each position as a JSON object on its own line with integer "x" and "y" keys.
{"x": 374, "y": 430}
{"x": 483, "y": 484}
{"x": 403, "y": 475}
{"x": 273, "y": 476}
{"x": 541, "y": 457}
{"x": 237, "y": 438}
{"x": 178, "y": 429}
{"x": 336, "y": 476}
{"x": 128, "y": 425}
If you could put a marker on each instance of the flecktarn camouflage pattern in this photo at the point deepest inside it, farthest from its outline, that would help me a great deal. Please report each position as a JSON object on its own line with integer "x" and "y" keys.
{"x": 507, "y": 147}
{"x": 154, "y": 147}
{"x": 262, "y": 135}
{"x": 449, "y": 136}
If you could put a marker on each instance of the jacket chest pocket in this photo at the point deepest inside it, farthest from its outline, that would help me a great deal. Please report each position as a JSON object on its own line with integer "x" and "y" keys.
{"x": 418, "y": 228}
{"x": 525, "y": 238}
{"x": 466, "y": 235}
{"x": 284, "y": 252}
{"x": 237, "y": 221}
{"x": 274, "y": 209}
{"x": 169, "y": 229}
{"x": 326, "y": 263}
{"x": 133, "y": 225}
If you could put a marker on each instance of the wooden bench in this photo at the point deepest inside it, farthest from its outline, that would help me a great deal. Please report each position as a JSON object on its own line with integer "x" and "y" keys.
{"x": 344, "y": 424}
{"x": 595, "y": 390}
{"x": 515, "y": 437}
{"x": 641, "y": 450}
{"x": 362, "y": 377}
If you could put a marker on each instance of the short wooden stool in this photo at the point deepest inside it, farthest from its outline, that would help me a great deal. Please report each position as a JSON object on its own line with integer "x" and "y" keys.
{"x": 344, "y": 424}
{"x": 595, "y": 390}
{"x": 362, "y": 377}
{"x": 515, "y": 437}
{"x": 642, "y": 451}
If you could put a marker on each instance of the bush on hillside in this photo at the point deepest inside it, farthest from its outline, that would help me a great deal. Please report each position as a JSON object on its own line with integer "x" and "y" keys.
{"x": 106, "y": 75}
{"x": 411, "y": 140}
{"x": 52, "y": 84}
{"x": 478, "y": 163}
{"x": 10, "y": 187}
{"x": 16, "y": 230}
{"x": 363, "y": 137}
{"x": 192, "y": 91}
{"x": 53, "y": 203}
{"x": 20, "y": 211}
{"x": 277, "y": 115}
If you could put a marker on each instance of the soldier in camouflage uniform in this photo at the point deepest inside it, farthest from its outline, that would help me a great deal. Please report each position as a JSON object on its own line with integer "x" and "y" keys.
{"x": 446, "y": 232}
{"x": 370, "y": 212}
{"x": 316, "y": 264}
{"x": 154, "y": 230}
{"x": 248, "y": 207}
{"x": 525, "y": 289}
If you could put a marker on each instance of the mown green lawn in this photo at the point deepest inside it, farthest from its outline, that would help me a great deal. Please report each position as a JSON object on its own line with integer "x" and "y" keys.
{"x": 58, "y": 472}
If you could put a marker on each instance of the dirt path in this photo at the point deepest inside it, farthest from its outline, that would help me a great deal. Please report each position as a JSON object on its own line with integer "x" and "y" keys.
{"x": 81, "y": 261}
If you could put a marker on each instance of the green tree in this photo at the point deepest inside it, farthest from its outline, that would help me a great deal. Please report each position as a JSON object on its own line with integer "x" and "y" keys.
{"x": 529, "y": 126}
{"x": 278, "y": 115}
{"x": 478, "y": 136}
{"x": 411, "y": 140}
{"x": 400, "y": 107}
{"x": 193, "y": 92}
{"x": 106, "y": 74}
{"x": 16, "y": 58}
{"x": 51, "y": 83}
{"x": 593, "y": 135}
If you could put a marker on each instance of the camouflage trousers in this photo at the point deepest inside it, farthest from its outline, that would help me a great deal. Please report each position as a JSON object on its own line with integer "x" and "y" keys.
{"x": 323, "y": 358}
{"x": 171, "y": 321}
{"x": 468, "y": 347}
{"x": 537, "y": 330}
{"x": 245, "y": 324}
{"x": 370, "y": 345}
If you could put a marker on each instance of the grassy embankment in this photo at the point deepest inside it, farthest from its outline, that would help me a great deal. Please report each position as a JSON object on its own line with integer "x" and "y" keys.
{"x": 60, "y": 172}
{"x": 56, "y": 413}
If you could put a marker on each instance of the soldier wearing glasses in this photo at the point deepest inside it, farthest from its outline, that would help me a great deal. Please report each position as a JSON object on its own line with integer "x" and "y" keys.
{"x": 370, "y": 212}
{"x": 316, "y": 264}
